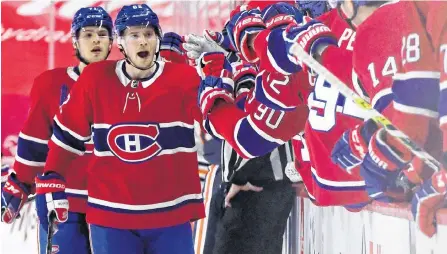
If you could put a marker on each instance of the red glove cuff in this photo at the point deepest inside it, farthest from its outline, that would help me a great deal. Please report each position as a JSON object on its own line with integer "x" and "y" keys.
{"x": 49, "y": 186}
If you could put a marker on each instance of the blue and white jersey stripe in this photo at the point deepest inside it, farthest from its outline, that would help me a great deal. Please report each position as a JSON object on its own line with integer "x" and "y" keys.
{"x": 252, "y": 141}
{"x": 68, "y": 139}
{"x": 31, "y": 151}
{"x": 337, "y": 185}
{"x": 172, "y": 137}
{"x": 417, "y": 93}
{"x": 144, "y": 209}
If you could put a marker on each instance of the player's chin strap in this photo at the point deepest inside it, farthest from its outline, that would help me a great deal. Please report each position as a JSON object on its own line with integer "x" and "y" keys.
{"x": 343, "y": 16}
{"x": 156, "y": 56}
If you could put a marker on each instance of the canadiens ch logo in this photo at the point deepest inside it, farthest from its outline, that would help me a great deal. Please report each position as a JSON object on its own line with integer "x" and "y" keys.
{"x": 134, "y": 142}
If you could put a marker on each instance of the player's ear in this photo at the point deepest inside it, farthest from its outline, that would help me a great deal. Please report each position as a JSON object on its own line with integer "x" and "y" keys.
{"x": 74, "y": 42}
{"x": 119, "y": 41}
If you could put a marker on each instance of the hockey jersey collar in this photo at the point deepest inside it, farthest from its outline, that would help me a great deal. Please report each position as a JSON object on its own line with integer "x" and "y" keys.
{"x": 125, "y": 81}
{"x": 72, "y": 74}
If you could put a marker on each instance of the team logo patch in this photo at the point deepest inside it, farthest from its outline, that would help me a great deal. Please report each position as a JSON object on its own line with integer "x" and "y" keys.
{"x": 134, "y": 142}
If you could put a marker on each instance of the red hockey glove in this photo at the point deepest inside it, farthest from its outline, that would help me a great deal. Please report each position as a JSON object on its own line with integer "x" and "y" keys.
{"x": 352, "y": 147}
{"x": 211, "y": 89}
{"x": 280, "y": 15}
{"x": 311, "y": 35}
{"x": 171, "y": 48}
{"x": 241, "y": 26}
{"x": 381, "y": 166}
{"x": 244, "y": 80}
{"x": 427, "y": 200}
{"x": 214, "y": 64}
{"x": 14, "y": 196}
{"x": 51, "y": 198}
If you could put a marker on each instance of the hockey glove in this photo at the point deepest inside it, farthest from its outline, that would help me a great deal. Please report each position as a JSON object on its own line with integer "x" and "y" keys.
{"x": 214, "y": 64}
{"x": 352, "y": 147}
{"x": 241, "y": 26}
{"x": 381, "y": 166}
{"x": 196, "y": 45}
{"x": 221, "y": 39}
{"x": 280, "y": 15}
{"x": 5, "y": 174}
{"x": 51, "y": 198}
{"x": 171, "y": 48}
{"x": 427, "y": 200}
{"x": 311, "y": 35}
{"x": 14, "y": 196}
{"x": 213, "y": 88}
{"x": 244, "y": 75}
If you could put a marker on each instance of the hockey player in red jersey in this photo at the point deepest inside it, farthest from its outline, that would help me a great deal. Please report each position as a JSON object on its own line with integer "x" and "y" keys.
{"x": 92, "y": 40}
{"x": 330, "y": 115}
{"x": 376, "y": 60}
{"x": 260, "y": 128}
{"x": 143, "y": 183}
{"x": 416, "y": 89}
{"x": 326, "y": 186}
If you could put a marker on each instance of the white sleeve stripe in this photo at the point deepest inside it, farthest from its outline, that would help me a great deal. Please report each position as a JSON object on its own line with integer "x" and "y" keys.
{"x": 102, "y": 154}
{"x": 101, "y": 126}
{"x": 337, "y": 183}
{"x": 74, "y": 134}
{"x": 415, "y": 110}
{"x": 417, "y": 74}
{"x": 37, "y": 140}
{"x": 76, "y": 191}
{"x": 66, "y": 147}
{"x": 162, "y": 125}
{"x": 28, "y": 162}
{"x": 442, "y": 120}
{"x": 166, "y": 204}
{"x": 262, "y": 133}
{"x": 236, "y": 131}
{"x": 179, "y": 150}
{"x": 443, "y": 85}
{"x": 380, "y": 94}
{"x": 177, "y": 124}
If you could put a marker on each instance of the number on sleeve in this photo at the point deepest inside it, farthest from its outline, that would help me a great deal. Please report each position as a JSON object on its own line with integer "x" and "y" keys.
{"x": 411, "y": 51}
{"x": 273, "y": 119}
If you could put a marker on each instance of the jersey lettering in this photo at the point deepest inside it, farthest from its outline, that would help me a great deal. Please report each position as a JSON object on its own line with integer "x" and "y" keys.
{"x": 273, "y": 119}
{"x": 390, "y": 68}
{"x": 347, "y": 35}
{"x": 324, "y": 102}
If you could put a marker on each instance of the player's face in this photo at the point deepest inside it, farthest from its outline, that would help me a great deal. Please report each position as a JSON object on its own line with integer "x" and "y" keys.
{"x": 94, "y": 43}
{"x": 140, "y": 45}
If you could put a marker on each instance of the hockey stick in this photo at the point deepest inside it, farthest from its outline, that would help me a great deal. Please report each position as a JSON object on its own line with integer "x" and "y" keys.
{"x": 51, "y": 231}
{"x": 298, "y": 52}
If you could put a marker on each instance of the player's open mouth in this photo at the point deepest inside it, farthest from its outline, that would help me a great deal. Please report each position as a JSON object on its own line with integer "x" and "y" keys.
{"x": 143, "y": 54}
{"x": 96, "y": 50}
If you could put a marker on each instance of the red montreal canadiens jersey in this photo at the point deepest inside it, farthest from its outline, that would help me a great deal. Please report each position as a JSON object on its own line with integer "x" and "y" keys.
{"x": 423, "y": 71}
{"x": 330, "y": 115}
{"x": 144, "y": 172}
{"x": 397, "y": 64}
{"x": 49, "y": 91}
